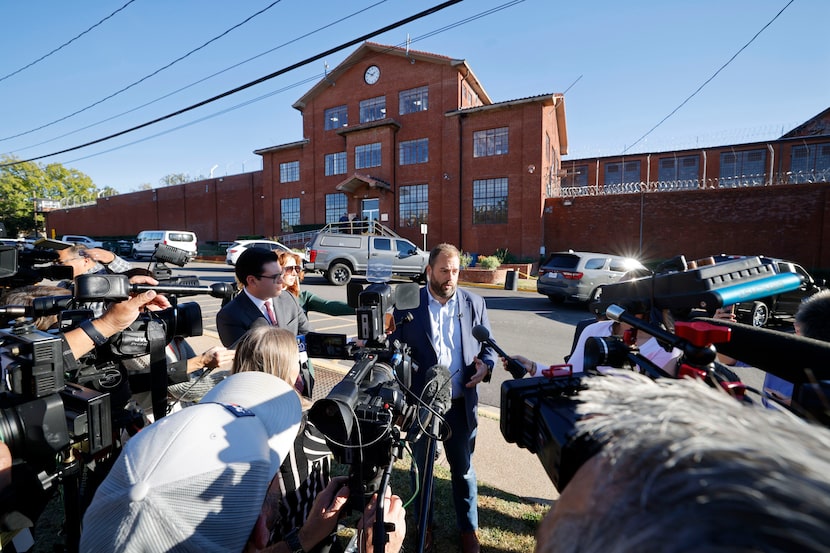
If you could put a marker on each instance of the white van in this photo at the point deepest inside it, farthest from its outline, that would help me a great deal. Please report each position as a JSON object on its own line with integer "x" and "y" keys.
{"x": 145, "y": 242}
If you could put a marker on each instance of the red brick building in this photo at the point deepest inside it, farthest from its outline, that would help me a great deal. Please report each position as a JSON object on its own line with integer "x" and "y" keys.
{"x": 411, "y": 138}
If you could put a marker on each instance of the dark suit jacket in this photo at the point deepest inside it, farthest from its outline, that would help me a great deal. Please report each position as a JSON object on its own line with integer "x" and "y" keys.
{"x": 417, "y": 334}
{"x": 239, "y": 314}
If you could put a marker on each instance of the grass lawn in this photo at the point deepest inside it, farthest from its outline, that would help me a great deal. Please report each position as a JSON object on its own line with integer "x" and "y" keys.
{"x": 506, "y": 523}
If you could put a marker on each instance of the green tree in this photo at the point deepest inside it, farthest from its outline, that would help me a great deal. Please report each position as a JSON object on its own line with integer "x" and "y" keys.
{"x": 22, "y": 182}
{"x": 175, "y": 178}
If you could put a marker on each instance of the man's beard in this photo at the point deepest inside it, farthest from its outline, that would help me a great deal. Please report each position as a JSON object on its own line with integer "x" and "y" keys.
{"x": 438, "y": 288}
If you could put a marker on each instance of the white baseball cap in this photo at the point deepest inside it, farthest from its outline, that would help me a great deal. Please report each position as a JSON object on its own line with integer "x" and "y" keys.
{"x": 195, "y": 480}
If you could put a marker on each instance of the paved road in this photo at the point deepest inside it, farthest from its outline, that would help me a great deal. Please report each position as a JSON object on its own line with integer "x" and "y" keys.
{"x": 523, "y": 323}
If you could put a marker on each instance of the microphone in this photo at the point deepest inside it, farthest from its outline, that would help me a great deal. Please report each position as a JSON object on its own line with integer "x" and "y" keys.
{"x": 784, "y": 355}
{"x": 436, "y": 394}
{"x": 481, "y": 334}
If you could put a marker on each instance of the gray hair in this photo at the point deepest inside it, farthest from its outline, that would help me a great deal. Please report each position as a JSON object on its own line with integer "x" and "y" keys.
{"x": 687, "y": 468}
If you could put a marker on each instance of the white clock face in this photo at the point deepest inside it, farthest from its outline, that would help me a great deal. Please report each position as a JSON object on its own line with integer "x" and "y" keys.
{"x": 372, "y": 74}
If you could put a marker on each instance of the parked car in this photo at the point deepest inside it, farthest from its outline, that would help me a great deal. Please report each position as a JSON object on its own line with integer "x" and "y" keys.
{"x": 83, "y": 240}
{"x": 779, "y": 307}
{"x": 576, "y": 276}
{"x": 235, "y": 249}
{"x": 339, "y": 254}
{"x": 145, "y": 244}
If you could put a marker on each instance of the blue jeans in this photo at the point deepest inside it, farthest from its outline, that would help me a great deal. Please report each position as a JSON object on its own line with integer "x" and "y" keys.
{"x": 459, "y": 450}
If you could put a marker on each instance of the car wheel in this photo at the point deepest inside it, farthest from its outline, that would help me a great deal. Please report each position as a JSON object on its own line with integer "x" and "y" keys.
{"x": 133, "y": 254}
{"x": 339, "y": 274}
{"x": 759, "y": 314}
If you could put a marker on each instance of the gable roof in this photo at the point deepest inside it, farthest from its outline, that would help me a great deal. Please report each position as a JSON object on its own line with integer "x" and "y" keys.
{"x": 371, "y": 49}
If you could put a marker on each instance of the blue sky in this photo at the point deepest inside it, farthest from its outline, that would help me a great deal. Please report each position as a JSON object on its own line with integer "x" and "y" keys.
{"x": 628, "y": 65}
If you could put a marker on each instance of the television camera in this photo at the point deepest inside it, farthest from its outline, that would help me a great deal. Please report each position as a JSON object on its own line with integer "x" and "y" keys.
{"x": 58, "y": 414}
{"x": 539, "y": 413}
{"x": 365, "y": 413}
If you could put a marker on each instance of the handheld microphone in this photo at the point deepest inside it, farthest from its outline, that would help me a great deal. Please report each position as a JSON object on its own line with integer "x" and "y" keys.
{"x": 481, "y": 334}
{"x": 436, "y": 395}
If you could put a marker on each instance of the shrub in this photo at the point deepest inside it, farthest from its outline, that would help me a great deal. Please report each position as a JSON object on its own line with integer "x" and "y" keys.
{"x": 465, "y": 259}
{"x": 489, "y": 262}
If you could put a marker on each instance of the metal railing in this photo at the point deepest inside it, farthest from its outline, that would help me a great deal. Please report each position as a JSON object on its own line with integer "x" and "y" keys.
{"x": 744, "y": 181}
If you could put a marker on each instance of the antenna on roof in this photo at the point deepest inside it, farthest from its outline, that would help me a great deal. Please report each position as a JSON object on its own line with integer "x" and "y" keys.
{"x": 326, "y": 73}
{"x": 410, "y": 58}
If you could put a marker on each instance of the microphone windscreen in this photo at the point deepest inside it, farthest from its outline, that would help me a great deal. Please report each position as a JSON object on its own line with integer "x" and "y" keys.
{"x": 438, "y": 387}
{"x": 481, "y": 333}
{"x": 784, "y": 355}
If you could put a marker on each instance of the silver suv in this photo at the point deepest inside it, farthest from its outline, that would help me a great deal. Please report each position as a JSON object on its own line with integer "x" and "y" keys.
{"x": 340, "y": 250}
{"x": 576, "y": 276}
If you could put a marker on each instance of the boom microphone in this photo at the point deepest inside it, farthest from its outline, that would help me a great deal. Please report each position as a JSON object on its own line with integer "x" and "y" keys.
{"x": 481, "y": 334}
{"x": 784, "y": 355}
{"x": 436, "y": 395}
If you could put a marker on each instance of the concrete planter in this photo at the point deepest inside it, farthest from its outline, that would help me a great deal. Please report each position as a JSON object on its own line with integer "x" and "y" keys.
{"x": 482, "y": 276}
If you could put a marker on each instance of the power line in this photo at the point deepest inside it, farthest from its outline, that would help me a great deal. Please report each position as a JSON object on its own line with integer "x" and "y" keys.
{"x": 313, "y": 78}
{"x": 67, "y": 43}
{"x": 693, "y": 94}
{"x": 144, "y": 78}
{"x": 203, "y": 79}
{"x": 250, "y": 84}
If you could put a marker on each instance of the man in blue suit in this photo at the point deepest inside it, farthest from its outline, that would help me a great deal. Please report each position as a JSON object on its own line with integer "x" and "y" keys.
{"x": 441, "y": 333}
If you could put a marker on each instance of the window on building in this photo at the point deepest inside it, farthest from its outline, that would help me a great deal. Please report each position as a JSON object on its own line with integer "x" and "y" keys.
{"x": 575, "y": 176}
{"x": 336, "y": 164}
{"x": 336, "y": 117}
{"x": 622, "y": 177}
{"x": 491, "y": 142}
{"x": 336, "y": 206}
{"x": 289, "y": 213}
{"x": 412, "y": 100}
{"x": 678, "y": 173}
{"x": 742, "y": 168}
{"x": 373, "y": 109}
{"x": 810, "y": 163}
{"x": 367, "y": 155}
{"x": 413, "y": 151}
{"x": 290, "y": 171}
{"x": 490, "y": 201}
{"x": 414, "y": 205}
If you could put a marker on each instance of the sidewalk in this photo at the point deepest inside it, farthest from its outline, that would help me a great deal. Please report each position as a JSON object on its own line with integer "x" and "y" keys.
{"x": 498, "y": 464}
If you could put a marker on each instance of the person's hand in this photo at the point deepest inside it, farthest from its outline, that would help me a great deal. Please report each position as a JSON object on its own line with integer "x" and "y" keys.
{"x": 216, "y": 356}
{"x": 481, "y": 371}
{"x": 393, "y": 513}
{"x": 726, "y": 313}
{"x": 99, "y": 255}
{"x": 529, "y": 365}
{"x": 160, "y": 302}
{"x": 325, "y": 512}
{"x": 5, "y": 466}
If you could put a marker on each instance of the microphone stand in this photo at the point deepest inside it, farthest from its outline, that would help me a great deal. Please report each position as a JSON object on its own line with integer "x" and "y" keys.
{"x": 428, "y": 484}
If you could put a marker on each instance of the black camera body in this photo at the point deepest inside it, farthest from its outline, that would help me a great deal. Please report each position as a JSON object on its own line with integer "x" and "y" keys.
{"x": 363, "y": 414}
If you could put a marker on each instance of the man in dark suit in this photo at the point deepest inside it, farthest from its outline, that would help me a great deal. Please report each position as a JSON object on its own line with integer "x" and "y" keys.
{"x": 441, "y": 333}
{"x": 260, "y": 273}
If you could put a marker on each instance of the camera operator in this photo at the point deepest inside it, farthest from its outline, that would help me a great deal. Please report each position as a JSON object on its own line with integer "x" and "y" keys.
{"x": 196, "y": 480}
{"x": 657, "y": 476}
{"x": 85, "y": 260}
{"x": 306, "y": 470}
{"x": 812, "y": 320}
{"x": 441, "y": 334}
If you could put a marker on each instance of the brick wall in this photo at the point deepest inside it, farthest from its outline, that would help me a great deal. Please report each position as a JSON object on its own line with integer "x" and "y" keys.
{"x": 792, "y": 222}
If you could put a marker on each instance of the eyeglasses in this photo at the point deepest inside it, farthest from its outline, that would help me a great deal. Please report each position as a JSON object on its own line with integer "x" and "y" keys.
{"x": 291, "y": 269}
{"x": 66, "y": 261}
{"x": 274, "y": 278}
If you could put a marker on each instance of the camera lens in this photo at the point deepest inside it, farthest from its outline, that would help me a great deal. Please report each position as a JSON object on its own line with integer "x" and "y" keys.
{"x": 609, "y": 351}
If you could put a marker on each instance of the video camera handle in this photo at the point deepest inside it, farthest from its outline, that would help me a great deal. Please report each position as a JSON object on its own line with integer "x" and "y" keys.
{"x": 693, "y": 354}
